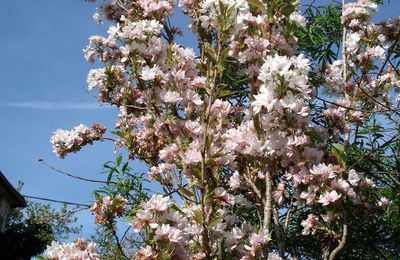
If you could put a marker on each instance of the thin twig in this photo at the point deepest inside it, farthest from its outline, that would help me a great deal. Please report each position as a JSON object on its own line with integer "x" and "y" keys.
{"x": 374, "y": 150}
{"x": 250, "y": 182}
{"x": 114, "y": 233}
{"x": 377, "y": 102}
{"x": 125, "y": 233}
{"x": 73, "y": 176}
{"x": 339, "y": 105}
{"x": 390, "y": 51}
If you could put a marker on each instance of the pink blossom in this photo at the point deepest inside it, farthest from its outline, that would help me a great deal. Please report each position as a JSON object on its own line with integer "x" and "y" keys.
{"x": 171, "y": 234}
{"x": 143, "y": 218}
{"x": 146, "y": 253}
{"x": 274, "y": 256}
{"x": 233, "y": 237}
{"x": 354, "y": 178}
{"x": 235, "y": 181}
{"x": 220, "y": 108}
{"x": 241, "y": 201}
{"x": 326, "y": 171}
{"x": 265, "y": 99}
{"x": 329, "y": 197}
{"x": 156, "y": 171}
{"x": 158, "y": 203}
{"x": 194, "y": 127}
{"x": 223, "y": 196}
{"x": 141, "y": 29}
{"x": 358, "y": 10}
{"x": 169, "y": 152}
{"x": 95, "y": 78}
{"x": 298, "y": 18}
{"x": 154, "y": 7}
{"x": 65, "y": 141}
{"x": 149, "y": 73}
{"x": 310, "y": 225}
{"x": 242, "y": 140}
{"x": 257, "y": 240}
{"x": 309, "y": 195}
{"x": 192, "y": 156}
{"x": 383, "y": 202}
{"x": 80, "y": 249}
{"x": 352, "y": 42}
{"x": 170, "y": 97}
{"x": 279, "y": 193}
{"x": 199, "y": 82}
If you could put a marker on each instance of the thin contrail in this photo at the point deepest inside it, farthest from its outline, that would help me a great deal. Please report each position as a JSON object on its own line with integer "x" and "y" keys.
{"x": 55, "y": 105}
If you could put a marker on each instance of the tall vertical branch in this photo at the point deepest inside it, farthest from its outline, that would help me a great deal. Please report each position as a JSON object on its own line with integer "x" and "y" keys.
{"x": 344, "y": 54}
{"x": 280, "y": 235}
{"x": 206, "y": 178}
{"x": 342, "y": 241}
{"x": 268, "y": 201}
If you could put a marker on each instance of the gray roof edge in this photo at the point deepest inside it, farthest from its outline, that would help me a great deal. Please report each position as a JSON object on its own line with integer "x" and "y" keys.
{"x": 17, "y": 196}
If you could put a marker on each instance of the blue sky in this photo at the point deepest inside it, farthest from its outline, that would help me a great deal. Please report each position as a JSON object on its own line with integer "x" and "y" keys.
{"x": 43, "y": 81}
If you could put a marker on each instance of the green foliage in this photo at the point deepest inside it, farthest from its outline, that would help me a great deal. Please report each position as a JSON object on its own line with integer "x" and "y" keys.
{"x": 62, "y": 221}
{"x": 233, "y": 85}
{"x": 374, "y": 150}
{"x": 338, "y": 150}
{"x": 25, "y": 239}
{"x": 322, "y": 36}
{"x": 122, "y": 181}
{"x": 107, "y": 244}
{"x": 30, "y": 230}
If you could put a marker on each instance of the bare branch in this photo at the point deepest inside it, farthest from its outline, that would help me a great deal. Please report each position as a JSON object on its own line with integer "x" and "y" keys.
{"x": 73, "y": 176}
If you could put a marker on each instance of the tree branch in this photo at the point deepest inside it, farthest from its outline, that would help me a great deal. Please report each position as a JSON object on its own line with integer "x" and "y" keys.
{"x": 73, "y": 176}
{"x": 342, "y": 242}
{"x": 268, "y": 201}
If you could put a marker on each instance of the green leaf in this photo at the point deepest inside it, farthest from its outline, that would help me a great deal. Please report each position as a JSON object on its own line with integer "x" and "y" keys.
{"x": 338, "y": 151}
{"x": 109, "y": 177}
{"x": 287, "y": 10}
{"x": 125, "y": 167}
{"x": 215, "y": 220}
{"x": 118, "y": 160}
{"x": 197, "y": 216}
{"x": 257, "y": 4}
{"x": 41, "y": 257}
{"x": 226, "y": 92}
{"x": 314, "y": 135}
{"x": 176, "y": 208}
{"x": 97, "y": 196}
{"x": 187, "y": 192}
{"x": 210, "y": 53}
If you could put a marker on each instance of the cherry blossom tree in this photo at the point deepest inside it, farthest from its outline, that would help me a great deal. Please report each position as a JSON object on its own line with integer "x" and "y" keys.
{"x": 264, "y": 139}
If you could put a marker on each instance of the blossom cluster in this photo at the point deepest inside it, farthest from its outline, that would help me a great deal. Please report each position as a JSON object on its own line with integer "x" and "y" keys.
{"x": 79, "y": 249}
{"x": 107, "y": 208}
{"x": 232, "y": 135}
{"x": 65, "y": 141}
{"x": 180, "y": 231}
{"x": 366, "y": 44}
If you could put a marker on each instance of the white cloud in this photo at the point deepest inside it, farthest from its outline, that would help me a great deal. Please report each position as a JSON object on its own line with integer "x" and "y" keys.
{"x": 55, "y": 105}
